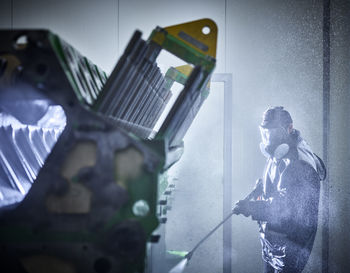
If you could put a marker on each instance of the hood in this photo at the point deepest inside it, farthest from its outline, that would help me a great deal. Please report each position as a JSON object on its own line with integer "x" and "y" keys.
{"x": 305, "y": 153}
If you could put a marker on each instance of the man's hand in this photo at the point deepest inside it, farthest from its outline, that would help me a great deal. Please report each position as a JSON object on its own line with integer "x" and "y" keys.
{"x": 241, "y": 207}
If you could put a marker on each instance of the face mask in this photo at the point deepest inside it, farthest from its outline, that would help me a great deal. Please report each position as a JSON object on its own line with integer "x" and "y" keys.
{"x": 271, "y": 139}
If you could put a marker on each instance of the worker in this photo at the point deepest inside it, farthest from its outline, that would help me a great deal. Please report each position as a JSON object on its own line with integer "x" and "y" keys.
{"x": 285, "y": 201}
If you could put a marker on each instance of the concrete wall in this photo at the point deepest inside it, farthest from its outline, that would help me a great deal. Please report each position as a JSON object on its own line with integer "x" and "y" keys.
{"x": 5, "y": 12}
{"x": 339, "y": 137}
{"x": 273, "y": 49}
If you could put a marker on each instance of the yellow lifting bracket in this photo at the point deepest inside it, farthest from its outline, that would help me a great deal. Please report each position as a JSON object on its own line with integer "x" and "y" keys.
{"x": 200, "y": 35}
{"x": 194, "y": 42}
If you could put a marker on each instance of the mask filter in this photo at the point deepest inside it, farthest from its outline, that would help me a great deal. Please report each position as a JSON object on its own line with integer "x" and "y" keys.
{"x": 281, "y": 151}
{"x": 273, "y": 140}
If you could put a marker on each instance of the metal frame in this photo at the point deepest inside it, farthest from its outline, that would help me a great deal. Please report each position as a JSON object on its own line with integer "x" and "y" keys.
{"x": 157, "y": 257}
{"x": 226, "y": 78}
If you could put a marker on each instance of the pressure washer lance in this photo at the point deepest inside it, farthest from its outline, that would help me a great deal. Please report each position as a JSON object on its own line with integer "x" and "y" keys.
{"x": 182, "y": 264}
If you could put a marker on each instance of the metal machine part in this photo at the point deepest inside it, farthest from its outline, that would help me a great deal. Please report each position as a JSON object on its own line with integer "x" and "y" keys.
{"x": 81, "y": 158}
{"x": 26, "y": 140}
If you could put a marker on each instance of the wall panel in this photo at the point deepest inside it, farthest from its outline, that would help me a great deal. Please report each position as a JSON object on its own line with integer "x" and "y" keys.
{"x": 5, "y": 14}
{"x": 89, "y": 25}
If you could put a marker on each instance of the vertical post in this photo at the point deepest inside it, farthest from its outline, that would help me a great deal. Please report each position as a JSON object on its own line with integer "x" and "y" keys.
{"x": 12, "y": 14}
{"x": 227, "y": 187}
{"x": 118, "y": 28}
{"x": 227, "y": 173}
{"x": 326, "y": 129}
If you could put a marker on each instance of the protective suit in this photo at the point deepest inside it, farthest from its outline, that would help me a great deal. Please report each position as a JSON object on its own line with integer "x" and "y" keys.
{"x": 286, "y": 203}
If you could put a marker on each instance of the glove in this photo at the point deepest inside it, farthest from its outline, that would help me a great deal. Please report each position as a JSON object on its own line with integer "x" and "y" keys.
{"x": 242, "y": 207}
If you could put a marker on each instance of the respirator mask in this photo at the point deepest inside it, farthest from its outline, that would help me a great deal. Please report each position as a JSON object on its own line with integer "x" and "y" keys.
{"x": 274, "y": 142}
{"x": 274, "y": 132}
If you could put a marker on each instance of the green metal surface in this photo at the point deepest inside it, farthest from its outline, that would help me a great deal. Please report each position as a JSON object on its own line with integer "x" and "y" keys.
{"x": 183, "y": 51}
{"x": 177, "y": 253}
{"x": 76, "y": 68}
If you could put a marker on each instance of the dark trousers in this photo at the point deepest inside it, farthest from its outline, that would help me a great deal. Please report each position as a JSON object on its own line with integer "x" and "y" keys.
{"x": 269, "y": 269}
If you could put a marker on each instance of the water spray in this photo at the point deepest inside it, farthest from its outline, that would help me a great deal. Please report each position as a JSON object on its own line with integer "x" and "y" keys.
{"x": 183, "y": 263}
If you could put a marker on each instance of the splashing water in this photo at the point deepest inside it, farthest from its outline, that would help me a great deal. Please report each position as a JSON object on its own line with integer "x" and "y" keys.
{"x": 180, "y": 267}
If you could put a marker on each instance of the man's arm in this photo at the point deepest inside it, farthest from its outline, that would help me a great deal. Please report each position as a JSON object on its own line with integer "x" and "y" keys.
{"x": 296, "y": 203}
{"x": 254, "y": 194}
{"x": 240, "y": 207}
